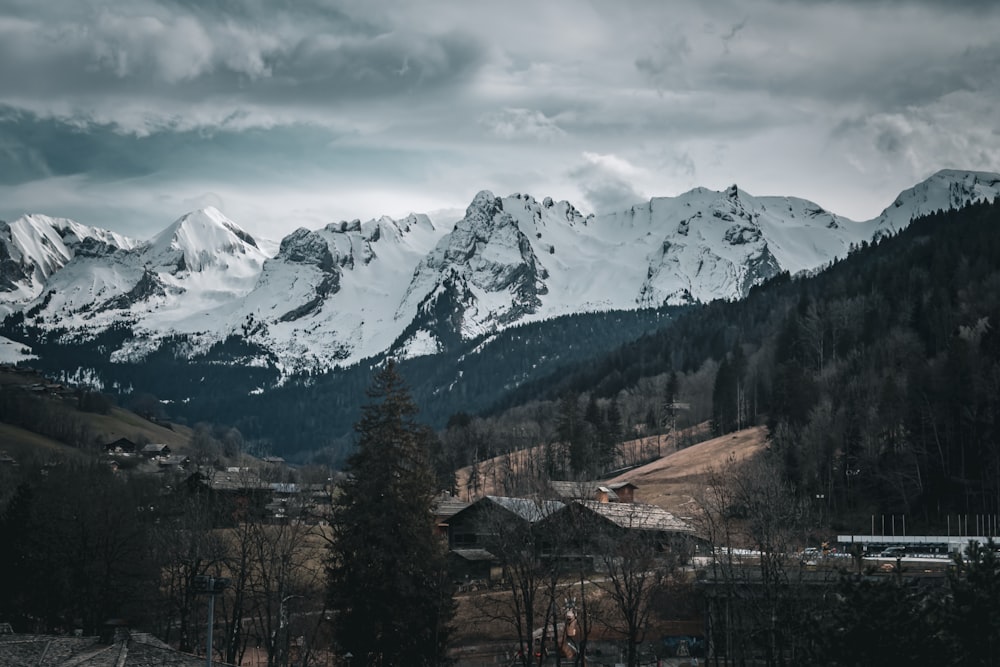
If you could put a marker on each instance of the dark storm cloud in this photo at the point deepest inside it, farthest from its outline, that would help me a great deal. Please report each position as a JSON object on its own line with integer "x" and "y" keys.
{"x": 385, "y": 65}
{"x": 32, "y": 148}
{"x": 77, "y": 62}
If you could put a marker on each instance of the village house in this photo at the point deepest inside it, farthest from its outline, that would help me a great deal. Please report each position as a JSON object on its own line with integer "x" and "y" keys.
{"x": 471, "y": 530}
{"x": 594, "y": 525}
{"x": 153, "y": 450}
{"x": 620, "y": 492}
{"x": 120, "y": 446}
{"x": 173, "y": 462}
{"x": 591, "y": 516}
{"x": 470, "y": 527}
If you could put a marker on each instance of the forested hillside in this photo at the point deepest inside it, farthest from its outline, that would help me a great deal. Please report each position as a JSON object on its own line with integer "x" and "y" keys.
{"x": 879, "y": 378}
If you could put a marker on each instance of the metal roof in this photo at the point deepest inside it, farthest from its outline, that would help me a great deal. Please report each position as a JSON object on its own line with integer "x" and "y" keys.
{"x": 526, "y": 508}
{"x": 637, "y": 516}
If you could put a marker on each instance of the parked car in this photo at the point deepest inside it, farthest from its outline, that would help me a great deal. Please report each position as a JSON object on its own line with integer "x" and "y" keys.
{"x": 893, "y": 552}
{"x": 810, "y": 555}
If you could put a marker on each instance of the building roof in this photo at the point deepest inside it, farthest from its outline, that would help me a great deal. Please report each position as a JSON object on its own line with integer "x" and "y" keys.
{"x": 473, "y": 554}
{"x": 447, "y": 505}
{"x": 526, "y": 508}
{"x": 130, "y": 650}
{"x": 175, "y": 460}
{"x": 124, "y": 443}
{"x": 637, "y": 516}
{"x": 584, "y": 490}
{"x": 621, "y": 485}
{"x": 587, "y": 490}
{"x": 237, "y": 481}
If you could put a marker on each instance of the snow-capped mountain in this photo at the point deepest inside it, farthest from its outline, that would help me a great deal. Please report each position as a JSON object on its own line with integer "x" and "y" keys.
{"x": 34, "y": 247}
{"x": 352, "y": 290}
{"x": 947, "y": 189}
{"x": 330, "y": 296}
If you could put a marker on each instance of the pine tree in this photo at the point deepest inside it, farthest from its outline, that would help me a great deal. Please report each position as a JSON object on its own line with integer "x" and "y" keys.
{"x": 387, "y": 573}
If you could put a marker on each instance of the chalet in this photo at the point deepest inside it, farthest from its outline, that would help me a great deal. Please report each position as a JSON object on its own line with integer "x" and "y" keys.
{"x": 174, "y": 462}
{"x": 596, "y": 523}
{"x": 120, "y": 446}
{"x": 231, "y": 498}
{"x": 470, "y": 527}
{"x": 156, "y": 449}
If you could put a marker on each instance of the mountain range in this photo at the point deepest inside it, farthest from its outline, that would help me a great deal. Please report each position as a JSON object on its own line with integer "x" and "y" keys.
{"x": 351, "y": 290}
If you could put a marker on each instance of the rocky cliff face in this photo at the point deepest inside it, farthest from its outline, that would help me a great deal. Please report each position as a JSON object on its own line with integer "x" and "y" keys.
{"x": 486, "y": 268}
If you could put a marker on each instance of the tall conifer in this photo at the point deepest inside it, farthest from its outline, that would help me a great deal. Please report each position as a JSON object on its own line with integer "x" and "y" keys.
{"x": 387, "y": 575}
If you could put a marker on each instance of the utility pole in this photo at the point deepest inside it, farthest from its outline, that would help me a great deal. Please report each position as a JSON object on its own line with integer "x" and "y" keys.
{"x": 211, "y": 586}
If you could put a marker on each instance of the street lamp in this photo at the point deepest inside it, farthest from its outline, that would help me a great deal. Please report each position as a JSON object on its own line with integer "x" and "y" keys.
{"x": 211, "y": 586}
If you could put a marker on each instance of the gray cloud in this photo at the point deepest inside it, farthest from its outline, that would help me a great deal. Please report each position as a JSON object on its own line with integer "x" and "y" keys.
{"x": 607, "y": 182}
{"x": 527, "y": 124}
{"x": 390, "y": 106}
{"x": 176, "y": 63}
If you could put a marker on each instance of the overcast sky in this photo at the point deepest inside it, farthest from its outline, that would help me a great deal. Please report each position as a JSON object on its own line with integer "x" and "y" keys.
{"x": 287, "y": 113}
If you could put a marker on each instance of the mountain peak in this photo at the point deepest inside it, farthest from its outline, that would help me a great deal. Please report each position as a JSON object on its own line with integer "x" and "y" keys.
{"x": 199, "y": 239}
{"x": 484, "y": 206}
{"x": 945, "y": 189}
{"x": 963, "y": 174}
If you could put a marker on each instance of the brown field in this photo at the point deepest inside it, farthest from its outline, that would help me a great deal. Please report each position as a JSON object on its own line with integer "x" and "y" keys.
{"x": 675, "y": 481}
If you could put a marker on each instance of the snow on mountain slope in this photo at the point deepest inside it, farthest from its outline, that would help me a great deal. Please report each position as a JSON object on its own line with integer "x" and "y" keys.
{"x": 352, "y": 290}
{"x": 946, "y": 189}
{"x": 330, "y": 296}
{"x": 188, "y": 279}
{"x": 33, "y": 247}
{"x": 204, "y": 239}
{"x": 12, "y": 352}
{"x": 516, "y": 259}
